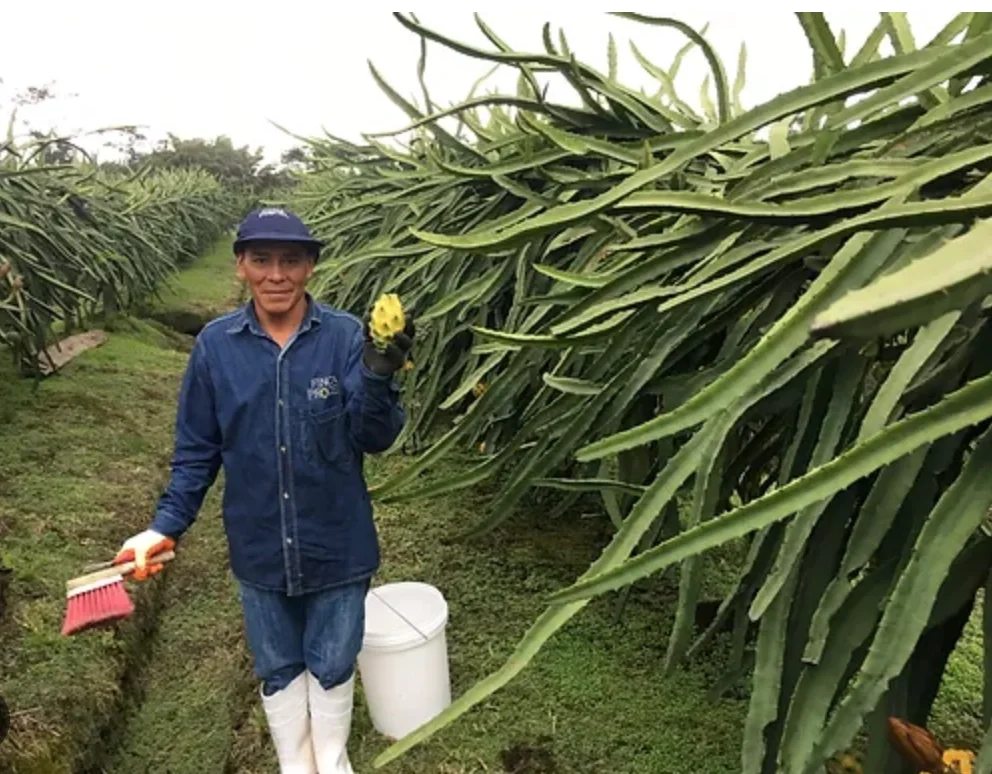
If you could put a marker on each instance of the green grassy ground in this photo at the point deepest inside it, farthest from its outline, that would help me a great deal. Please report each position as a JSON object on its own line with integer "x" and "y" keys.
{"x": 80, "y": 462}
{"x": 957, "y": 713}
{"x": 172, "y": 688}
{"x": 199, "y": 292}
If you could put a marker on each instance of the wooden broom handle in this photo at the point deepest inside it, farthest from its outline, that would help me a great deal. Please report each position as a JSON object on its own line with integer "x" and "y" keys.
{"x": 125, "y": 568}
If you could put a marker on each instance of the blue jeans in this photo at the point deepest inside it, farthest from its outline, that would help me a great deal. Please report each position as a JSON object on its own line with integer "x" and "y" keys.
{"x": 321, "y": 631}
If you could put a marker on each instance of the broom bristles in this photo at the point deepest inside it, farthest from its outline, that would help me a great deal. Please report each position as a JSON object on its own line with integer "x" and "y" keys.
{"x": 100, "y": 604}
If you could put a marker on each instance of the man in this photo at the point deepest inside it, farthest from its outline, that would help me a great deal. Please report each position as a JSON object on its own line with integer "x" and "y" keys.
{"x": 288, "y": 395}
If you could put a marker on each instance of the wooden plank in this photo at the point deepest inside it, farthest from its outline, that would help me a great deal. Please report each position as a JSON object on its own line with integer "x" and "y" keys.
{"x": 65, "y": 350}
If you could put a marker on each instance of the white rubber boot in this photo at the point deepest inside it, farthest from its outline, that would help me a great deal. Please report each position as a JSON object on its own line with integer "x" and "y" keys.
{"x": 330, "y": 717}
{"x": 288, "y": 716}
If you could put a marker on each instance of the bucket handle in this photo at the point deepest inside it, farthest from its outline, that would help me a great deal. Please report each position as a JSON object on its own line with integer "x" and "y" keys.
{"x": 407, "y": 620}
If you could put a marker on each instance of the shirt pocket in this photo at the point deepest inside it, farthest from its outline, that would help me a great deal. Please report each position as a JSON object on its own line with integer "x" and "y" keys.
{"x": 326, "y": 432}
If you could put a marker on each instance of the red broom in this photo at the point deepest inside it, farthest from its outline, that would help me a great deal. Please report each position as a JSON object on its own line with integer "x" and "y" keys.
{"x": 99, "y": 598}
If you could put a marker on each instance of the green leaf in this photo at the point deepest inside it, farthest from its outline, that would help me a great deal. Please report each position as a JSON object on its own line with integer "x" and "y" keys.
{"x": 851, "y": 266}
{"x": 901, "y": 35}
{"x": 611, "y": 55}
{"x": 958, "y": 59}
{"x": 927, "y": 339}
{"x": 592, "y": 335}
{"x": 589, "y": 485}
{"x": 949, "y": 279}
{"x": 816, "y": 688}
{"x": 842, "y": 401}
{"x": 843, "y": 84}
{"x": 466, "y": 294}
{"x": 987, "y": 657}
{"x": 875, "y": 518}
{"x": 965, "y": 407}
{"x": 572, "y": 386}
{"x": 472, "y": 477}
{"x": 983, "y": 764}
{"x": 716, "y": 66}
{"x": 740, "y": 79}
{"x": 767, "y": 679}
{"x": 705, "y": 496}
{"x": 822, "y": 41}
{"x": 958, "y": 513}
{"x": 778, "y": 138}
{"x": 580, "y": 279}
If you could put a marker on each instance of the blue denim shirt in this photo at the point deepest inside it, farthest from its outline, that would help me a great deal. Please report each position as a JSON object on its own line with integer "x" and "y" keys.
{"x": 290, "y": 428}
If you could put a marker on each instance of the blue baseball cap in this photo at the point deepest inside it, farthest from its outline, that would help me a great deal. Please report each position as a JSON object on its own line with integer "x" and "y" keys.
{"x": 274, "y": 224}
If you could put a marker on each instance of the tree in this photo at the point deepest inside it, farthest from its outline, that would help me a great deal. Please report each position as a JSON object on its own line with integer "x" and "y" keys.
{"x": 298, "y": 158}
{"x": 233, "y": 166}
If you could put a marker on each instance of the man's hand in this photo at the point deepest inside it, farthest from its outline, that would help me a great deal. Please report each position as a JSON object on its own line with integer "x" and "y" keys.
{"x": 141, "y": 548}
{"x": 396, "y": 353}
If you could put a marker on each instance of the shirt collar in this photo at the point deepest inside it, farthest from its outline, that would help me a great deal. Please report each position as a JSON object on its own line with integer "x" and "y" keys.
{"x": 246, "y": 318}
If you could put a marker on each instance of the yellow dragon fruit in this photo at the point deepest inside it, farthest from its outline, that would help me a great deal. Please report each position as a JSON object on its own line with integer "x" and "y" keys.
{"x": 387, "y": 320}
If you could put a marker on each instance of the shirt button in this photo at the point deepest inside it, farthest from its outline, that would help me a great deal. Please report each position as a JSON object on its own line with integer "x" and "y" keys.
{"x": 282, "y": 449}
{"x": 280, "y": 402}
{"x": 289, "y": 541}
{"x": 285, "y": 495}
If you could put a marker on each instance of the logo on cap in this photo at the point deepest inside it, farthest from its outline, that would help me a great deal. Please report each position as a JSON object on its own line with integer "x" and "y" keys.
{"x": 272, "y": 211}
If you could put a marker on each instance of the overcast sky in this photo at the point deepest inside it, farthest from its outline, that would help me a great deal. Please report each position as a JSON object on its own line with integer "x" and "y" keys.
{"x": 215, "y": 67}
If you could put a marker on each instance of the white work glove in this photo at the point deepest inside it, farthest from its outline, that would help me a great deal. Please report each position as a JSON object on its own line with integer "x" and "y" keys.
{"x": 142, "y": 547}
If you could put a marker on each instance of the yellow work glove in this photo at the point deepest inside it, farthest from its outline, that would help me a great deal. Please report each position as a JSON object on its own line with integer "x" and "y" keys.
{"x": 141, "y": 548}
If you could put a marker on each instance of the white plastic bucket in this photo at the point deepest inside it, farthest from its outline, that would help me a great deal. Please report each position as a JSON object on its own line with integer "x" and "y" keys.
{"x": 403, "y": 663}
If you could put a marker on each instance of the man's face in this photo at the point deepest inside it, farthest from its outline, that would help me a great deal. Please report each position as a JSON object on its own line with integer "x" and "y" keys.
{"x": 276, "y": 273}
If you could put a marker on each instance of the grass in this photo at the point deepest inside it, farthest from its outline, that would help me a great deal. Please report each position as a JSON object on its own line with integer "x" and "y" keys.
{"x": 81, "y": 460}
{"x": 198, "y": 293}
{"x": 956, "y": 716}
{"x": 172, "y": 688}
